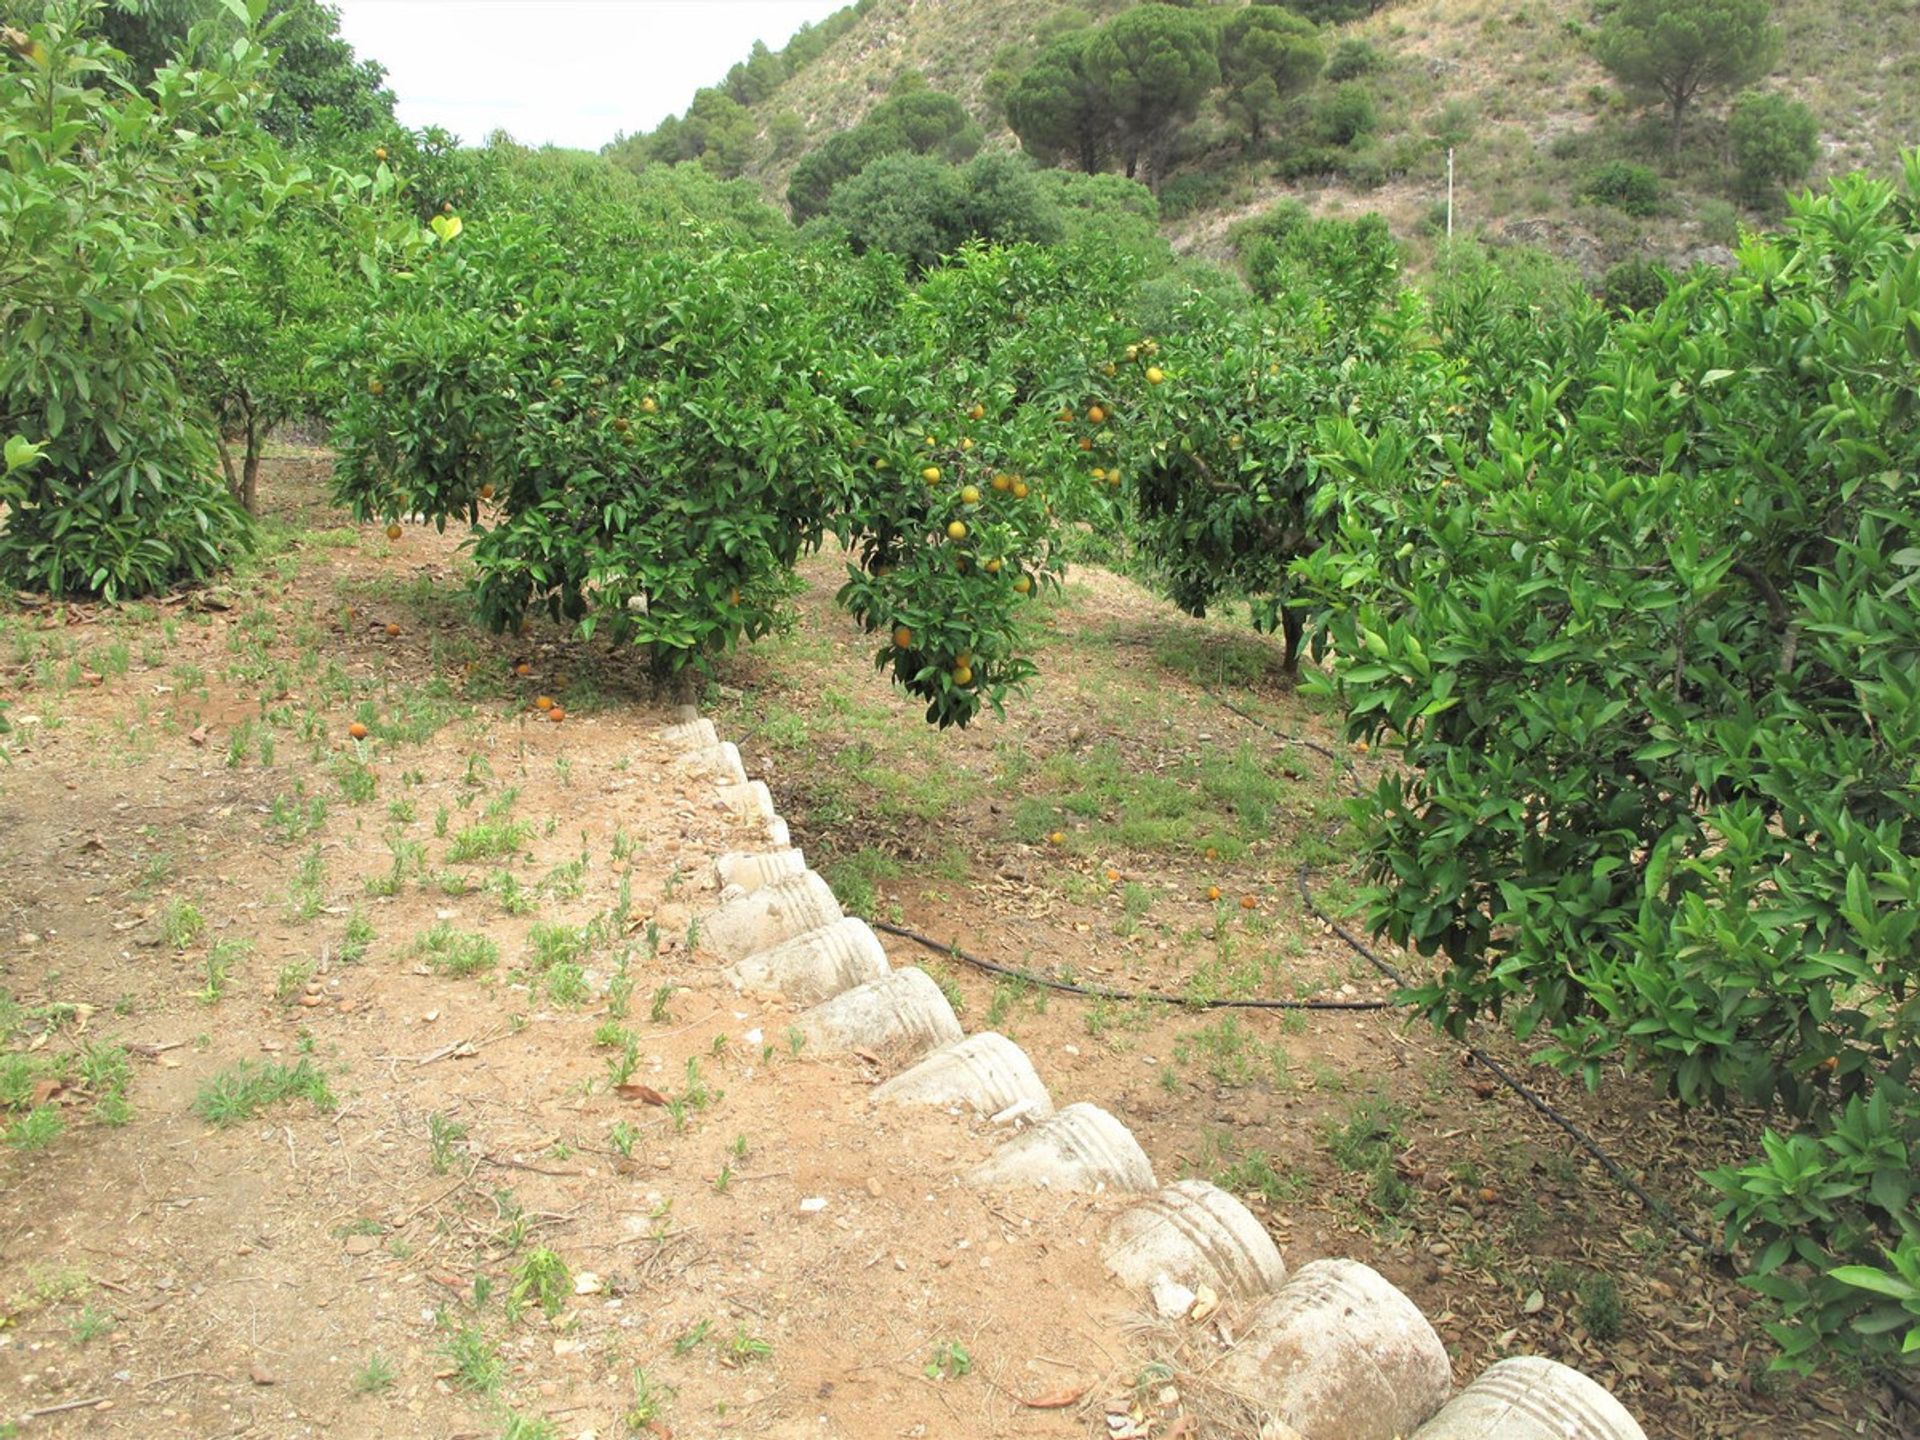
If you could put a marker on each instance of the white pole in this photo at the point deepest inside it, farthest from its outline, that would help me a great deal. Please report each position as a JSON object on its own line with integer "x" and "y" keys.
{"x": 1449, "y": 194}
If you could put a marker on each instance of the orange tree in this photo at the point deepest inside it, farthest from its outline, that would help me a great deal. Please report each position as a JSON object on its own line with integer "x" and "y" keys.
{"x": 1651, "y": 661}
{"x": 1218, "y": 438}
{"x": 646, "y": 434}
{"x": 110, "y": 199}
{"x": 963, "y": 478}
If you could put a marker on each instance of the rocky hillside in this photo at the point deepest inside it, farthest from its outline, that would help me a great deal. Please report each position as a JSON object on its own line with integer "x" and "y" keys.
{"x": 1512, "y": 84}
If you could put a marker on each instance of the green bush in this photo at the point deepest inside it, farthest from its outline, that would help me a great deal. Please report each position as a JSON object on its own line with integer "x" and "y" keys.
{"x": 1775, "y": 142}
{"x": 922, "y": 209}
{"x": 114, "y": 201}
{"x": 1220, "y": 450}
{"x": 1648, "y": 661}
{"x": 1345, "y": 113}
{"x": 1625, "y": 186}
{"x": 1352, "y": 58}
{"x": 1191, "y": 191}
{"x": 1634, "y": 285}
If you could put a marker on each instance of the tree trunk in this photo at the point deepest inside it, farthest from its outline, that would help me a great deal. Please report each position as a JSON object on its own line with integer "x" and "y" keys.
{"x": 226, "y": 463}
{"x": 1678, "y": 105}
{"x": 1293, "y": 625}
{"x": 250, "y": 469}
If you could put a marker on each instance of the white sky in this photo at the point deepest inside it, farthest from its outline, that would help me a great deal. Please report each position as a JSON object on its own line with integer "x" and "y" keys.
{"x": 561, "y": 72}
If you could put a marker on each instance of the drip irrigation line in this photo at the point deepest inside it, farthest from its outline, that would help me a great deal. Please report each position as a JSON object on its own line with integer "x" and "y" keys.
{"x": 1101, "y": 992}
{"x": 1536, "y": 1102}
{"x": 1258, "y": 723}
{"x": 1533, "y": 1099}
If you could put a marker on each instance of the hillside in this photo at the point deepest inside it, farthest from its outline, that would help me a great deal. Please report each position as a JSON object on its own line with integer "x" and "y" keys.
{"x": 1512, "y": 83}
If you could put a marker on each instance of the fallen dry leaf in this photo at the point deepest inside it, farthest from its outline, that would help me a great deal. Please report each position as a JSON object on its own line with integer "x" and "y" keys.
{"x": 1059, "y": 1400}
{"x": 646, "y": 1094}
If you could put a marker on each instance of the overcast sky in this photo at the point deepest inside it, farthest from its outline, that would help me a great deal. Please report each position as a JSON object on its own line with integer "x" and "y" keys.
{"x": 561, "y": 72}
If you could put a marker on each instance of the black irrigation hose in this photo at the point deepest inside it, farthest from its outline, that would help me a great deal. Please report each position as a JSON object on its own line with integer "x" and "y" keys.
{"x": 1534, "y": 1100}
{"x": 1101, "y": 992}
{"x": 1256, "y": 721}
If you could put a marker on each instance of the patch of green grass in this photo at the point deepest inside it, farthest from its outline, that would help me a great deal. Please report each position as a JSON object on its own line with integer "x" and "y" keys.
{"x": 444, "y": 1138}
{"x": 527, "y": 1427}
{"x": 514, "y": 897}
{"x": 243, "y": 1090}
{"x": 220, "y": 961}
{"x": 549, "y": 945}
{"x": 455, "y": 952}
{"x": 853, "y": 878}
{"x": 649, "y": 1398}
{"x": 489, "y": 840}
{"x": 357, "y": 937}
{"x": 477, "y": 1366}
{"x": 950, "y": 1361}
{"x": 294, "y": 817}
{"x": 90, "y": 1324}
{"x": 1252, "y": 1172}
{"x": 36, "y": 1129}
{"x": 409, "y": 858}
{"x": 746, "y": 1348}
{"x": 1371, "y": 1129}
{"x": 308, "y": 893}
{"x": 567, "y": 985}
{"x": 1601, "y": 1310}
{"x": 182, "y": 923}
{"x": 355, "y": 780}
{"x": 1233, "y": 1054}
{"x": 542, "y": 1277}
{"x": 291, "y": 980}
{"x": 376, "y": 1376}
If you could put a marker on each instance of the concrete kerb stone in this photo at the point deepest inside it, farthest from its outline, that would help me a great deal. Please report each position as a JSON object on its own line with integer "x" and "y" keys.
{"x": 986, "y": 1072}
{"x": 750, "y": 801}
{"x": 815, "y": 966}
{"x": 1194, "y": 1234}
{"x": 691, "y": 735}
{"x": 1532, "y": 1398}
{"x": 1338, "y": 1354}
{"x": 768, "y": 916}
{"x": 721, "y": 761}
{"x": 750, "y": 871}
{"x": 1080, "y": 1148}
{"x": 898, "y": 1016}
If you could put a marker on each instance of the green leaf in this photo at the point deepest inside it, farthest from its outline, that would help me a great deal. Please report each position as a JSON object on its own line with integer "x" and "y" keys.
{"x": 21, "y": 452}
{"x": 1865, "y": 1277}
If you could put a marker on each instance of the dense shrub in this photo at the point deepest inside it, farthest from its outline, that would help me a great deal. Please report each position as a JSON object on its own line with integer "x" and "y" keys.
{"x": 1352, "y": 58}
{"x": 1635, "y": 285}
{"x": 1345, "y": 113}
{"x": 1775, "y": 142}
{"x": 921, "y": 208}
{"x": 1625, "y": 186}
{"x": 114, "y": 203}
{"x": 1193, "y": 190}
{"x": 1647, "y": 663}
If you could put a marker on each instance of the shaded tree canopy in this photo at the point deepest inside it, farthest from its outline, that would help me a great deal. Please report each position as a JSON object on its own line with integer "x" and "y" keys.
{"x": 1676, "y": 49}
{"x": 1154, "y": 65}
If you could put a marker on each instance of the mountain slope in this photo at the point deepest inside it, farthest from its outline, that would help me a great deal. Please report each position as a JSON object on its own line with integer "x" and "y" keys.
{"x": 1511, "y": 83}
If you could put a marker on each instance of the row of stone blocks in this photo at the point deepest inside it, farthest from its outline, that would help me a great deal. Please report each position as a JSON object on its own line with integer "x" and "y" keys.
{"x": 1332, "y": 1350}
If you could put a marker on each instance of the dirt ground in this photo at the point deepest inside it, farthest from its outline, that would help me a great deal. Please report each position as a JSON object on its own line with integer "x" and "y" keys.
{"x": 327, "y": 1064}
